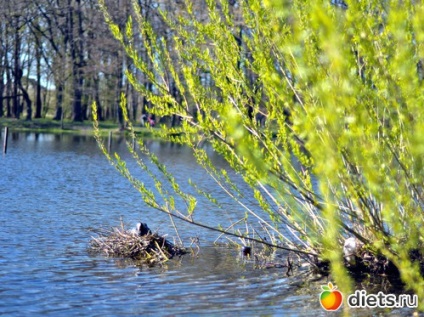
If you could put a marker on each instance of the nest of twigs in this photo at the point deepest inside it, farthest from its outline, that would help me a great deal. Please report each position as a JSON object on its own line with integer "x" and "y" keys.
{"x": 367, "y": 263}
{"x": 150, "y": 248}
{"x": 375, "y": 270}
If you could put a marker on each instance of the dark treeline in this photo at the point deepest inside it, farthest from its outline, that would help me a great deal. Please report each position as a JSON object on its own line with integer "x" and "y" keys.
{"x": 58, "y": 56}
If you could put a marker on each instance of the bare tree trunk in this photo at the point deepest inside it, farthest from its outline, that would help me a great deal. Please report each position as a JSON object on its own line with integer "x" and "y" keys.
{"x": 97, "y": 97}
{"x": 1, "y": 92}
{"x": 7, "y": 70}
{"x": 38, "y": 102}
{"x": 77, "y": 79}
{"x": 134, "y": 102}
{"x": 16, "y": 70}
{"x": 59, "y": 102}
{"x": 80, "y": 57}
{"x": 119, "y": 87}
{"x": 87, "y": 98}
{"x": 27, "y": 100}
{"x": 8, "y": 90}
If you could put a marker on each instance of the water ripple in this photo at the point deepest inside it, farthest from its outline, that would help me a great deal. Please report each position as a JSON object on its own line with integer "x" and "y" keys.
{"x": 55, "y": 189}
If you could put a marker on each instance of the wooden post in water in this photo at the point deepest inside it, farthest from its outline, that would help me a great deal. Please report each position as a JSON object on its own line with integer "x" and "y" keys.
{"x": 6, "y": 134}
{"x": 109, "y": 141}
{"x": 133, "y": 143}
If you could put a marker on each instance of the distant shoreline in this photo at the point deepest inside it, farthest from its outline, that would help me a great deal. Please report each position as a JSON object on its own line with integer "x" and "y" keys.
{"x": 53, "y": 126}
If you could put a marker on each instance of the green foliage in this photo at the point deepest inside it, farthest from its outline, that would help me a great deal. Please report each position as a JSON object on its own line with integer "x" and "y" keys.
{"x": 341, "y": 151}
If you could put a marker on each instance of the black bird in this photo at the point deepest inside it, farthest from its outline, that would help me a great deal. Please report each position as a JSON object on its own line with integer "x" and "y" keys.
{"x": 246, "y": 251}
{"x": 143, "y": 229}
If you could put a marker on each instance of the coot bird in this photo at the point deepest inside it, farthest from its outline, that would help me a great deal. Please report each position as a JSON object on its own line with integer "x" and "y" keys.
{"x": 143, "y": 229}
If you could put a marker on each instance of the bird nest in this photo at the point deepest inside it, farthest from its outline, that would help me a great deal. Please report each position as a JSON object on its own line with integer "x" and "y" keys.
{"x": 147, "y": 248}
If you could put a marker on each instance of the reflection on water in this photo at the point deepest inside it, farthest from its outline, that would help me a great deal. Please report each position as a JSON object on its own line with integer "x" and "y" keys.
{"x": 55, "y": 190}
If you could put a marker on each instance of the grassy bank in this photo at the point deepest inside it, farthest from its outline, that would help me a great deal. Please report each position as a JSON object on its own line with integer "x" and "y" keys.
{"x": 68, "y": 126}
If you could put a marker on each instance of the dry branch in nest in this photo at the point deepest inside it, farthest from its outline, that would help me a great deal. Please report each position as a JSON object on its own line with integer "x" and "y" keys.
{"x": 148, "y": 248}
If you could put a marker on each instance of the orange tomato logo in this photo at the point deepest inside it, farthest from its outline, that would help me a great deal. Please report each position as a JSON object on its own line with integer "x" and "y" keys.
{"x": 330, "y": 298}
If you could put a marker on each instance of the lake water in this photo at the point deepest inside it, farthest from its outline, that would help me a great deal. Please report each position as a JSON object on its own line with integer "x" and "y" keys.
{"x": 57, "y": 190}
